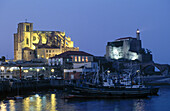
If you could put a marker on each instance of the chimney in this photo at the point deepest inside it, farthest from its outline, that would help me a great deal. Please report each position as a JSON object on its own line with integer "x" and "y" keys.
{"x": 138, "y": 34}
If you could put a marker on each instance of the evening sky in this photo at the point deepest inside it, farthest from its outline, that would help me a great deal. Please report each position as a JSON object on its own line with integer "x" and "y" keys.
{"x": 91, "y": 23}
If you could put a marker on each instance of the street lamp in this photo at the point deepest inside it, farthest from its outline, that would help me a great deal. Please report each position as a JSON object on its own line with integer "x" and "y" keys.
{"x": 52, "y": 71}
{"x": 2, "y": 68}
{"x": 37, "y": 73}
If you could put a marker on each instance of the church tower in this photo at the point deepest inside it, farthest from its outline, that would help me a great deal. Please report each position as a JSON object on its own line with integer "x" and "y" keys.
{"x": 22, "y": 39}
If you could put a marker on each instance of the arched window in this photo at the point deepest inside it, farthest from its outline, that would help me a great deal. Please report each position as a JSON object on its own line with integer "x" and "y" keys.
{"x": 27, "y": 41}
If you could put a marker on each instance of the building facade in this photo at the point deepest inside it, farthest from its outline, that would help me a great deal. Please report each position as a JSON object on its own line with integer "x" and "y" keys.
{"x": 70, "y": 56}
{"x": 27, "y": 40}
{"x": 128, "y": 48}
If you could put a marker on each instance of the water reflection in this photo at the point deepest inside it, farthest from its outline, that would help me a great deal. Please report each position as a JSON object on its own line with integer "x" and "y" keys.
{"x": 12, "y": 105}
{"x": 52, "y": 102}
{"x": 139, "y": 105}
{"x": 26, "y": 104}
{"x": 3, "y": 107}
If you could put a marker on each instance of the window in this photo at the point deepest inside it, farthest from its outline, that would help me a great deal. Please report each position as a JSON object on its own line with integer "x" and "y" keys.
{"x": 46, "y": 55}
{"x": 75, "y": 58}
{"x": 27, "y": 28}
{"x": 53, "y": 50}
{"x": 86, "y": 59}
{"x": 72, "y": 58}
{"x": 46, "y": 51}
{"x": 27, "y": 41}
{"x": 34, "y": 38}
{"x": 79, "y": 59}
{"x": 82, "y": 58}
{"x": 49, "y": 51}
{"x": 30, "y": 53}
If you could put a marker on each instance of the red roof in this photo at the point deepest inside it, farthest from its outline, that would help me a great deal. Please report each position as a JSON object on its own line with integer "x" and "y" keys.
{"x": 68, "y": 53}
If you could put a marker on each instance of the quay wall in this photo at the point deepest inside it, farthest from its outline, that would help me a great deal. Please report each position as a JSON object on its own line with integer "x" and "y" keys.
{"x": 8, "y": 88}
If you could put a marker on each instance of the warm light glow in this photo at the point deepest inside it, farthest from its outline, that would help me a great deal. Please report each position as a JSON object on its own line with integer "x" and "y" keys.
{"x": 3, "y": 106}
{"x": 52, "y": 70}
{"x": 82, "y": 58}
{"x": 38, "y": 70}
{"x": 26, "y": 103}
{"x": 39, "y": 105}
{"x": 75, "y": 58}
{"x": 12, "y": 105}
{"x": 137, "y": 31}
{"x": 25, "y": 71}
{"x": 87, "y": 59}
{"x": 79, "y": 59}
{"x": 53, "y": 102}
{"x": 2, "y": 68}
{"x": 11, "y": 69}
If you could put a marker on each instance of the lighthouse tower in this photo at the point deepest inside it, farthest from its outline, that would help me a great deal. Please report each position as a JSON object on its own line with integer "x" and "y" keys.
{"x": 138, "y": 34}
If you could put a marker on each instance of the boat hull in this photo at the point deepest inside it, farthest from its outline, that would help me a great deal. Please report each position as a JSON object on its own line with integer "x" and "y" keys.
{"x": 107, "y": 92}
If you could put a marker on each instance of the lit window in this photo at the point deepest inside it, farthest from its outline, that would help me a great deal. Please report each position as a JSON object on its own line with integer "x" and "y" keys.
{"x": 79, "y": 59}
{"x": 86, "y": 59}
{"x": 82, "y": 58}
{"x": 46, "y": 55}
{"x": 75, "y": 58}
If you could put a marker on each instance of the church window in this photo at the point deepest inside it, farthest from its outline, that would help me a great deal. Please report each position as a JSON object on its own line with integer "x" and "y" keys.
{"x": 34, "y": 38}
{"x": 27, "y": 28}
{"x": 27, "y": 41}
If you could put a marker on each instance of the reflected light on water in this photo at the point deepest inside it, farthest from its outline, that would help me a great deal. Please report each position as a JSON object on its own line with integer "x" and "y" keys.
{"x": 3, "y": 107}
{"x": 139, "y": 105}
{"x": 26, "y": 103}
{"x": 38, "y": 105}
{"x": 12, "y": 105}
{"x": 53, "y": 102}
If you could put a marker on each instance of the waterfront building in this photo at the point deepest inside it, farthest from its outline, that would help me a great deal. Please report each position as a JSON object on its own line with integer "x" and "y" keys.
{"x": 30, "y": 44}
{"x": 70, "y": 56}
{"x": 127, "y": 48}
{"x": 74, "y": 63}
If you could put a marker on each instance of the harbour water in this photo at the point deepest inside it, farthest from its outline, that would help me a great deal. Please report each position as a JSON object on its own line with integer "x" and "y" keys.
{"x": 53, "y": 102}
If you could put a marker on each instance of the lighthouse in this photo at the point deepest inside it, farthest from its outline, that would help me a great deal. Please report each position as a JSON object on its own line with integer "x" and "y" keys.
{"x": 138, "y": 34}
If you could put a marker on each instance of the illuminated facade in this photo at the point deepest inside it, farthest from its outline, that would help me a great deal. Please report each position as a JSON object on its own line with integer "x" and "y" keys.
{"x": 30, "y": 44}
{"x": 127, "y": 48}
{"x": 70, "y": 57}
